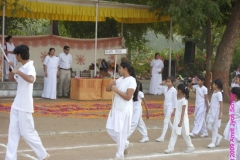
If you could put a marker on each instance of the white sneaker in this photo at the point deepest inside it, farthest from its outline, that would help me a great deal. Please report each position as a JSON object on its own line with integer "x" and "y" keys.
{"x": 219, "y": 138}
{"x": 47, "y": 156}
{"x": 191, "y": 135}
{"x": 168, "y": 151}
{"x": 160, "y": 139}
{"x": 211, "y": 145}
{"x": 145, "y": 139}
{"x": 126, "y": 150}
{"x": 204, "y": 135}
{"x": 189, "y": 150}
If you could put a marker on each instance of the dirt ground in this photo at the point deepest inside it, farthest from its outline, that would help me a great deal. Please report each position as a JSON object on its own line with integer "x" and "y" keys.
{"x": 87, "y": 139}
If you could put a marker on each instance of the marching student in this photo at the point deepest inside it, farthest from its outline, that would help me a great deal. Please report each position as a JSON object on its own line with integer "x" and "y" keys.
{"x": 215, "y": 113}
{"x": 170, "y": 103}
{"x": 236, "y": 112}
{"x": 201, "y": 107}
{"x": 120, "y": 117}
{"x": 21, "y": 119}
{"x": 137, "y": 121}
{"x": 181, "y": 121}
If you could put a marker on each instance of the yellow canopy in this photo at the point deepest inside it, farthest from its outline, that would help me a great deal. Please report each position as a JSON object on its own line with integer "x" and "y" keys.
{"x": 82, "y": 10}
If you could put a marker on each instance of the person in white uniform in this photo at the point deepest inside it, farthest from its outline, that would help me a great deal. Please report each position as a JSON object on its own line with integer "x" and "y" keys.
{"x": 170, "y": 103}
{"x": 201, "y": 107}
{"x": 9, "y": 47}
{"x": 50, "y": 66}
{"x": 236, "y": 118}
{"x": 156, "y": 75}
{"x": 65, "y": 63}
{"x": 21, "y": 119}
{"x": 214, "y": 115}
{"x": 137, "y": 121}
{"x": 120, "y": 117}
{"x": 181, "y": 121}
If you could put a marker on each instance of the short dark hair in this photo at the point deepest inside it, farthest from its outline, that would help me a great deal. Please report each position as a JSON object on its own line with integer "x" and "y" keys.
{"x": 66, "y": 47}
{"x": 7, "y": 39}
{"x": 23, "y": 50}
{"x": 201, "y": 77}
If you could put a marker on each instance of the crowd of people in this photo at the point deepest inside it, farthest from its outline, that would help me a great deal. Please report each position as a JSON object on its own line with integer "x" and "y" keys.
{"x": 126, "y": 112}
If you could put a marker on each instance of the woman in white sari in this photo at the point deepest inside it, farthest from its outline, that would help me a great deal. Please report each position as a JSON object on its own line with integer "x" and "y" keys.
{"x": 50, "y": 66}
{"x": 156, "y": 75}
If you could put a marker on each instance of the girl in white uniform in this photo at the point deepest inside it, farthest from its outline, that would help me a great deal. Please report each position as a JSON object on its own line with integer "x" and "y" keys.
{"x": 137, "y": 121}
{"x": 236, "y": 118}
{"x": 120, "y": 117}
{"x": 201, "y": 108}
{"x": 215, "y": 113}
{"x": 181, "y": 121}
{"x": 170, "y": 103}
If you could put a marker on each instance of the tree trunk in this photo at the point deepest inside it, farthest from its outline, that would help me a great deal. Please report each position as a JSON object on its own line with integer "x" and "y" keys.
{"x": 209, "y": 55}
{"x": 226, "y": 48}
{"x": 55, "y": 30}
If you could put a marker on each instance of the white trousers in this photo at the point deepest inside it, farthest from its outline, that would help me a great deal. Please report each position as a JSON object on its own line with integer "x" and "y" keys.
{"x": 21, "y": 124}
{"x": 174, "y": 137}
{"x": 120, "y": 138}
{"x": 167, "y": 122}
{"x": 213, "y": 127}
{"x": 200, "y": 123}
{"x": 64, "y": 82}
{"x": 137, "y": 122}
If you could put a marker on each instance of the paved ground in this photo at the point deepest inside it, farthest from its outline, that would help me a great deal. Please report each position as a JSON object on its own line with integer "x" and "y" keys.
{"x": 86, "y": 139}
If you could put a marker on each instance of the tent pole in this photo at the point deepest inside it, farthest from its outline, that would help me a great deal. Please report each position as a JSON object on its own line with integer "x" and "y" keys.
{"x": 170, "y": 48}
{"x": 3, "y": 30}
{"x": 95, "y": 52}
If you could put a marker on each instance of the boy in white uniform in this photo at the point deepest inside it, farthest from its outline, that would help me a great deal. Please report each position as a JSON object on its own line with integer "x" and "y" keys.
{"x": 21, "y": 119}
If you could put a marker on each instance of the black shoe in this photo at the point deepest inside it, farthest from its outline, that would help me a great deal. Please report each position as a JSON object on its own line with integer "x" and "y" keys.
{"x": 59, "y": 96}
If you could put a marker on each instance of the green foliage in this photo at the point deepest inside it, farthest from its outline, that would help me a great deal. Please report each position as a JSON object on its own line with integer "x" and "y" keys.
{"x": 236, "y": 58}
{"x": 141, "y": 62}
{"x": 87, "y": 29}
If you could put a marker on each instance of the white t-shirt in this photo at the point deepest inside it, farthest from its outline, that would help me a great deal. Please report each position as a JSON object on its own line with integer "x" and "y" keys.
{"x": 170, "y": 99}
{"x": 23, "y": 100}
{"x": 200, "y": 94}
{"x": 65, "y": 60}
{"x": 139, "y": 102}
{"x": 234, "y": 85}
{"x": 123, "y": 84}
{"x": 216, "y": 98}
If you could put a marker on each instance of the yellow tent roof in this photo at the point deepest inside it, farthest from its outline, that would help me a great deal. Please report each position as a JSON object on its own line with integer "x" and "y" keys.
{"x": 82, "y": 10}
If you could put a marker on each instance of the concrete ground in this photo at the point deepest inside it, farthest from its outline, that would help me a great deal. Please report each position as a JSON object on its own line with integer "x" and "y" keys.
{"x": 87, "y": 139}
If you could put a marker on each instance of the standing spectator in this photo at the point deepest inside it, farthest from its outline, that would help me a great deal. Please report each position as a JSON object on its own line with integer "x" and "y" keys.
{"x": 50, "y": 66}
{"x": 9, "y": 47}
{"x": 156, "y": 75}
{"x": 65, "y": 63}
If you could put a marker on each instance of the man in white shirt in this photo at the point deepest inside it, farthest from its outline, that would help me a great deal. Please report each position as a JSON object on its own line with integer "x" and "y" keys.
{"x": 21, "y": 119}
{"x": 65, "y": 63}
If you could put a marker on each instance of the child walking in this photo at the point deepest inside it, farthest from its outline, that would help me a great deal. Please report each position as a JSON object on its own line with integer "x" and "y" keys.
{"x": 215, "y": 113}
{"x": 236, "y": 112}
{"x": 170, "y": 103}
{"x": 137, "y": 121}
{"x": 201, "y": 107}
{"x": 181, "y": 121}
{"x": 120, "y": 117}
{"x": 21, "y": 119}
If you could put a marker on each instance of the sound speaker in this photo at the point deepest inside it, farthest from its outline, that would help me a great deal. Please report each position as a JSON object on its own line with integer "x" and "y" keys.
{"x": 189, "y": 54}
{"x": 166, "y": 68}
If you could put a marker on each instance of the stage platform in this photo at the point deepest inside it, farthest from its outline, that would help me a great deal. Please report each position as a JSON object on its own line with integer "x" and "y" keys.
{"x": 8, "y": 89}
